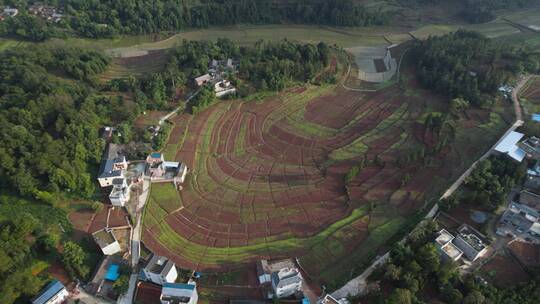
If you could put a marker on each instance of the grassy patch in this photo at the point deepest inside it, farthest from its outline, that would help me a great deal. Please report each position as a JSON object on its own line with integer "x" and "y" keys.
{"x": 167, "y": 196}
{"x": 217, "y": 256}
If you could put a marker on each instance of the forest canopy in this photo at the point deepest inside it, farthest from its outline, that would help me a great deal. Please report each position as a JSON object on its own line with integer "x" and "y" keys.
{"x": 50, "y": 124}
{"x": 467, "y": 65}
{"x": 107, "y": 18}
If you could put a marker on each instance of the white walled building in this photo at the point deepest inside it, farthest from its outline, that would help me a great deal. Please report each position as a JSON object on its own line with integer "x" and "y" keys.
{"x": 120, "y": 193}
{"x": 160, "y": 270}
{"x": 286, "y": 282}
{"x": 111, "y": 169}
{"x": 282, "y": 276}
{"x": 107, "y": 241}
{"x": 177, "y": 293}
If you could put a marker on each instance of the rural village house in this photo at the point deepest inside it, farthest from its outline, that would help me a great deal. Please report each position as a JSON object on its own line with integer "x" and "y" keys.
{"x": 223, "y": 88}
{"x": 178, "y": 293}
{"x": 112, "y": 232}
{"x": 111, "y": 169}
{"x": 446, "y": 247}
{"x": 509, "y": 146}
{"x": 159, "y": 270}
{"x": 468, "y": 242}
{"x": 531, "y": 146}
{"x": 10, "y": 12}
{"x": 521, "y": 220}
{"x": 283, "y": 276}
{"x": 202, "y": 80}
{"x": 120, "y": 192}
{"x": 161, "y": 170}
{"x": 54, "y": 293}
{"x": 107, "y": 241}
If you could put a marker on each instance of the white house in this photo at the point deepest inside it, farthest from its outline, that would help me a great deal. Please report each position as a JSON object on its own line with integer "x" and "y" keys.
{"x": 175, "y": 293}
{"x": 470, "y": 242}
{"x": 111, "y": 169}
{"x": 107, "y": 241}
{"x": 509, "y": 146}
{"x": 446, "y": 247}
{"x": 159, "y": 270}
{"x": 120, "y": 192}
{"x": 11, "y": 12}
{"x": 54, "y": 293}
{"x": 286, "y": 282}
{"x": 282, "y": 276}
{"x": 223, "y": 88}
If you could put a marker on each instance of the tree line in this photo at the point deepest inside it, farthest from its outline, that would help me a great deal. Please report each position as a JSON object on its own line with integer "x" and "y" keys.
{"x": 50, "y": 138}
{"x": 467, "y": 65}
{"x": 489, "y": 183}
{"x": 108, "y": 18}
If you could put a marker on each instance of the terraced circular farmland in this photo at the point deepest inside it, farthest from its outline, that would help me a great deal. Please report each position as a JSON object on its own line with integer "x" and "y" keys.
{"x": 268, "y": 177}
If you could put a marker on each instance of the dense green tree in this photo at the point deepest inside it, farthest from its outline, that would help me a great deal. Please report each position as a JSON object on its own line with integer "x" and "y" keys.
{"x": 400, "y": 296}
{"x": 468, "y": 66}
{"x": 107, "y": 18}
{"x": 74, "y": 258}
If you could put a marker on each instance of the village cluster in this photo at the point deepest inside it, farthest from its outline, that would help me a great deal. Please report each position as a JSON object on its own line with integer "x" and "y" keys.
{"x": 520, "y": 222}
{"x": 46, "y": 12}
{"x": 158, "y": 278}
{"x": 217, "y": 77}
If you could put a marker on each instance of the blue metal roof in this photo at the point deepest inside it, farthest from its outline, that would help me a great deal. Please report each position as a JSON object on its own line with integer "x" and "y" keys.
{"x": 48, "y": 292}
{"x": 305, "y": 301}
{"x": 179, "y": 286}
{"x": 535, "y": 117}
{"x": 112, "y": 273}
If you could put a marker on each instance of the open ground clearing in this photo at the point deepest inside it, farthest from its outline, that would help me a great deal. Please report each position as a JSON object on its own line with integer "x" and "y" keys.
{"x": 250, "y": 34}
{"x": 267, "y": 177}
{"x": 504, "y": 270}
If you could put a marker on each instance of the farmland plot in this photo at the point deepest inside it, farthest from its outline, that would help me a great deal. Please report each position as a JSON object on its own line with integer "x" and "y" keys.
{"x": 268, "y": 177}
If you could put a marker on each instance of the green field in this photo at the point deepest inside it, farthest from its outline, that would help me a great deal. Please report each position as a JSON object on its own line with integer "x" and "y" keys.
{"x": 250, "y": 34}
{"x": 529, "y": 18}
{"x": 494, "y": 29}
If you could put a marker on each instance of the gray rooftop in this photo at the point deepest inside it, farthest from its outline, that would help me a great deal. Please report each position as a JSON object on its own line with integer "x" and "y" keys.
{"x": 104, "y": 237}
{"x": 159, "y": 265}
{"x": 472, "y": 238}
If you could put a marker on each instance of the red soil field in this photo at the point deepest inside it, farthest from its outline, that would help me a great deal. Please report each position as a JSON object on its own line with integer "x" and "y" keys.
{"x": 507, "y": 272}
{"x": 532, "y": 93}
{"x": 257, "y": 177}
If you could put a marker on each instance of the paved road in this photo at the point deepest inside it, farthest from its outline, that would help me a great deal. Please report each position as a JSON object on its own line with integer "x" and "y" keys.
{"x": 136, "y": 236}
{"x": 357, "y": 286}
{"x": 173, "y": 112}
{"x": 136, "y": 243}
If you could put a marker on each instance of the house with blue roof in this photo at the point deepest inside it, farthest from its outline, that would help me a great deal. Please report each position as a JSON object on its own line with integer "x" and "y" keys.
{"x": 54, "y": 293}
{"x": 179, "y": 293}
